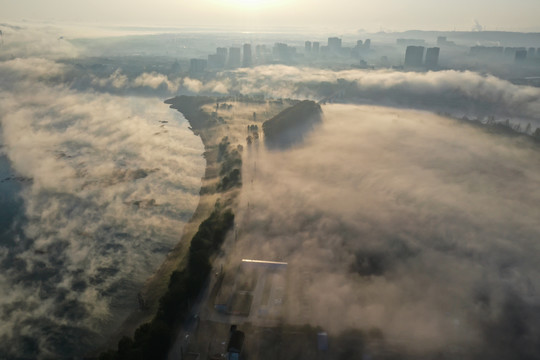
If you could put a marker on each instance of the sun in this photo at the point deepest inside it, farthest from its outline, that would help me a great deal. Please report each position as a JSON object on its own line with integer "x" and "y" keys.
{"x": 249, "y": 7}
{"x": 250, "y": 3}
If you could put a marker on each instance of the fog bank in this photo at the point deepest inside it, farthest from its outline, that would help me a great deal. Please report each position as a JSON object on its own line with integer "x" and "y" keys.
{"x": 404, "y": 221}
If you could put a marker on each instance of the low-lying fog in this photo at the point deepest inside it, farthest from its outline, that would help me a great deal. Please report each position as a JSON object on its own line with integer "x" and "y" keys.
{"x": 107, "y": 185}
{"x": 401, "y": 220}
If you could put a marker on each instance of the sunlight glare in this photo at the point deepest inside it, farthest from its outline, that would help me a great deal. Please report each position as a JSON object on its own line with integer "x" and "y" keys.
{"x": 251, "y": 4}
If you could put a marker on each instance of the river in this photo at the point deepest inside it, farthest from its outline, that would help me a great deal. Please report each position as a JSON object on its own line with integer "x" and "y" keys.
{"x": 90, "y": 204}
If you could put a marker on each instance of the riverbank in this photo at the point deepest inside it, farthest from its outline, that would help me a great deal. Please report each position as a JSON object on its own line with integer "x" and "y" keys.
{"x": 156, "y": 285}
{"x": 222, "y": 124}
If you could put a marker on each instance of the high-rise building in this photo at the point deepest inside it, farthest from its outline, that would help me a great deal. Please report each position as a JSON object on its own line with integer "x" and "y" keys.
{"x": 358, "y": 50}
{"x": 175, "y": 68}
{"x": 367, "y": 44}
{"x": 307, "y": 47}
{"x": 258, "y": 51}
{"x": 510, "y": 51}
{"x": 234, "y": 58}
{"x": 441, "y": 40}
{"x": 222, "y": 54}
{"x": 432, "y": 57}
{"x": 315, "y": 48}
{"x": 334, "y": 44}
{"x": 282, "y": 52}
{"x": 213, "y": 61}
{"x": 531, "y": 52}
{"x": 217, "y": 60}
{"x": 521, "y": 55}
{"x": 197, "y": 66}
{"x": 222, "y": 51}
{"x": 261, "y": 53}
{"x": 414, "y": 56}
{"x": 247, "y": 60}
{"x": 361, "y": 48}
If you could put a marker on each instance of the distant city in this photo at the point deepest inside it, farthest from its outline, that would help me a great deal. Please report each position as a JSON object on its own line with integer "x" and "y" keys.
{"x": 410, "y": 54}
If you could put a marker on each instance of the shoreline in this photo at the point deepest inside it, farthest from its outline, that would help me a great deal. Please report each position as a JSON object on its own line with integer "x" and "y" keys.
{"x": 156, "y": 285}
{"x": 222, "y": 138}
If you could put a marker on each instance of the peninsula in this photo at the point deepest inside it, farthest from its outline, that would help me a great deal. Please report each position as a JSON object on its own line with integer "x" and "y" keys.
{"x": 225, "y": 125}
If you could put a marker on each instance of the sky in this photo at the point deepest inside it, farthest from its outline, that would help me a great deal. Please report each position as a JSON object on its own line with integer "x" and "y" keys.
{"x": 252, "y": 15}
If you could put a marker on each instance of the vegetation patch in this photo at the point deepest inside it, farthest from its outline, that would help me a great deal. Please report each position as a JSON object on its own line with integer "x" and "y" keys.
{"x": 152, "y": 340}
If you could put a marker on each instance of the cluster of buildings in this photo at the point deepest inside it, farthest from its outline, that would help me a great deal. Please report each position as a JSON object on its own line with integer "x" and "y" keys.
{"x": 518, "y": 53}
{"x": 334, "y": 47}
{"x": 416, "y": 48}
{"x": 410, "y": 54}
{"x": 224, "y": 58}
{"x": 237, "y": 57}
{"x": 414, "y": 57}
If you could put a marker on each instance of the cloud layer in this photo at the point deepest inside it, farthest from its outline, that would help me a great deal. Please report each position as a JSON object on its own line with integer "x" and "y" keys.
{"x": 107, "y": 184}
{"x": 404, "y": 221}
{"x": 453, "y": 91}
{"x": 112, "y": 182}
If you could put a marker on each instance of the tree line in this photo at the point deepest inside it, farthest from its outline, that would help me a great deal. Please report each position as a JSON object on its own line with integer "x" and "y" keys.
{"x": 153, "y": 340}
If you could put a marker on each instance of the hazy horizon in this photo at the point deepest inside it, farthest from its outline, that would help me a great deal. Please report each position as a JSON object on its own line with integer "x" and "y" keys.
{"x": 341, "y": 16}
